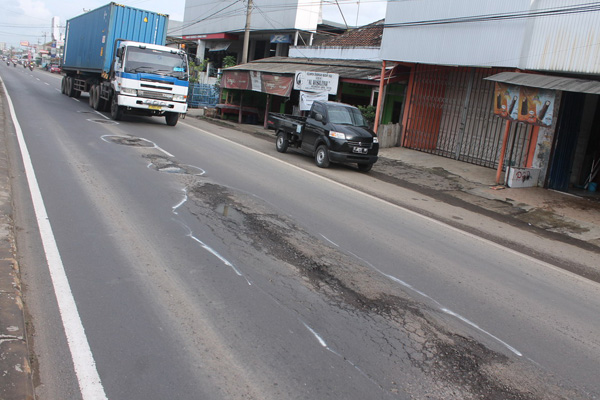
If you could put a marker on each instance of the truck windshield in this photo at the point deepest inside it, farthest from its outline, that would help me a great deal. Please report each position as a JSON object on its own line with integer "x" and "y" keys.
{"x": 155, "y": 62}
{"x": 346, "y": 116}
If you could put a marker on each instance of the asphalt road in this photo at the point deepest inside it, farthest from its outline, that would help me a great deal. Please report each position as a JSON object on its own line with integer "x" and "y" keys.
{"x": 202, "y": 269}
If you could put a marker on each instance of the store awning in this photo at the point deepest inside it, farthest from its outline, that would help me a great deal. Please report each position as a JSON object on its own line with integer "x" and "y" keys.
{"x": 547, "y": 82}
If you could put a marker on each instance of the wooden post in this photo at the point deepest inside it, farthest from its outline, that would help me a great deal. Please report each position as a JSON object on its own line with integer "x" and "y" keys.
{"x": 503, "y": 152}
{"x": 267, "y": 110}
{"x": 380, "y": 97}
{"x": 241, "y": 105}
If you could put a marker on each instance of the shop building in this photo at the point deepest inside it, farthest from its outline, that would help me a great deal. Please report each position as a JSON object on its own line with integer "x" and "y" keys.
{"x": 459, "y": 51}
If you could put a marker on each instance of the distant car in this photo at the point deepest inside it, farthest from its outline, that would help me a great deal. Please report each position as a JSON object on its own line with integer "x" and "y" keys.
{"x": 55, "y": 68}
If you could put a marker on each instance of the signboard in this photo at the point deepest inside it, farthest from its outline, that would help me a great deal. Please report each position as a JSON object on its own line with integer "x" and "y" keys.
{"x": 317, "y": 82}
{"x": 524, "y": 104}
{"x": 24, "y": 43}
{"x": 307, "y": 98}
{"x": 281, "y": 38}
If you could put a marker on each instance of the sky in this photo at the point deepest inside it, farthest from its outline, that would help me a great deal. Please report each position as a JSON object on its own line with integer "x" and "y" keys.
{"x": 30, "y": 20}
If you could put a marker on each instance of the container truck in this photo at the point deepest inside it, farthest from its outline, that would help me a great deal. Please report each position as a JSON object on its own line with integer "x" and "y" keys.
{"x": 116, "y": 54}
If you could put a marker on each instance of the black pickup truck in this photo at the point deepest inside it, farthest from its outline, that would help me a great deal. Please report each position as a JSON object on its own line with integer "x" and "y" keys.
{"x": 332, "y": 132}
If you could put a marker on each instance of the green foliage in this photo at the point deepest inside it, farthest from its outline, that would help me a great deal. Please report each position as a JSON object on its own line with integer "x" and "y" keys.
{"x": 368, "y": 112}
{"x": 196, "y": 68}
{"x": 229, "y": 61}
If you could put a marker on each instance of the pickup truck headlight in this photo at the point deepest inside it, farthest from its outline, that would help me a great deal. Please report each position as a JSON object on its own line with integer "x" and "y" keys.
{"x": 375, "y": 139}
{"x": 129, "y": 91}
{"x": 179, "y": 97}
{"x": 337, "y": 135}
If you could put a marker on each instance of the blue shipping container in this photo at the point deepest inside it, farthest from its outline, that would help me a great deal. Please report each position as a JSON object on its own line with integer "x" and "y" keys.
{"x": 90, "y": 37}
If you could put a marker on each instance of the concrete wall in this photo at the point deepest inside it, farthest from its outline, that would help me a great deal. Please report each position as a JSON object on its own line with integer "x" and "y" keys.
{"x": 339, "y": 53}
{"x": 209, "y": 16}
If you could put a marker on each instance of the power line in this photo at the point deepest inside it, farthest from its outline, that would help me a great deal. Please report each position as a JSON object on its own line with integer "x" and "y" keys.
{"x": 582, "y": 8}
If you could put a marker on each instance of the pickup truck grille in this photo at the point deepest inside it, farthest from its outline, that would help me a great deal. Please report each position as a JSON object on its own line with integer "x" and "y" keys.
{"x": 155, "y": 95}
{"x": 360, "y": 144}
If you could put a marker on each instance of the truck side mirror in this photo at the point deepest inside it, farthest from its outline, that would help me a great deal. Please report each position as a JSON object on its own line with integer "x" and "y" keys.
{"x": 120, "y": 52}
{"x": 319, "y": 117}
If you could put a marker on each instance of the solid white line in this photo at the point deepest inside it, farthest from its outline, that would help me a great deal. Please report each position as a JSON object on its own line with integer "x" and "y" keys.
{"x": 90, "y": 385}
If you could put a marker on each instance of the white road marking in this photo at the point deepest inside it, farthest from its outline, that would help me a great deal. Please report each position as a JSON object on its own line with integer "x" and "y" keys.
{"x": 90, "y": 384}
{"x": 102, "y": 115}
{"x": 315, "y": 334}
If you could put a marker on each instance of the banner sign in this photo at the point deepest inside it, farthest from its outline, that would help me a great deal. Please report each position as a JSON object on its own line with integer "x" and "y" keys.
{"x": 258, "y": 81}
{"x": 317, "y": 82}
{"x": 277, "y": 84}
{"x": 524, "y": 104}
{"x": 307, "y": 98}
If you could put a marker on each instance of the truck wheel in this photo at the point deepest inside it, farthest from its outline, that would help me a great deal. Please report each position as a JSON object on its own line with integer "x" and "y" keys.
{"x": 116, "y": 111}
{"x": 282, "y": 142}
{"x": 69, "y": 86}
{"x": 365, "y": 167}
{"x": 172, "y": 118}
{"x": 91, "y": 99}
{"x": 322, "y": 157}
{"x": 63, "y": 85}
{"x": 96, "y": 98}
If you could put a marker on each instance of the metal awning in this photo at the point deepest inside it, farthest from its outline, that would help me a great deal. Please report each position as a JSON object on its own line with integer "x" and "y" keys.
{"x": 547, "y": 82}
{"x": 219, "y": 46}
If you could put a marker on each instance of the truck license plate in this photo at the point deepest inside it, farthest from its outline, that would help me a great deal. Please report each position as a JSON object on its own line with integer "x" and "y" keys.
{"x": 360, "y": 150}
{"x": 155, "y": 107}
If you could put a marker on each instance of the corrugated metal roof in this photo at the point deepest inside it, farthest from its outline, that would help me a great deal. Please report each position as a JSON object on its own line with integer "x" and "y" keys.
{"x": 346, "y": 69}
{"x": 547, "y": 82}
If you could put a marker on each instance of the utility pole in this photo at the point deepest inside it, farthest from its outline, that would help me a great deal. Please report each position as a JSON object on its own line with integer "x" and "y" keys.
{"x": 247, "y": 33}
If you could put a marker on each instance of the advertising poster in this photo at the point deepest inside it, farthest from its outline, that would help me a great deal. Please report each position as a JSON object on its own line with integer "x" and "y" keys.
{"x": 536, "y": 106}
{"x": 506, "y": 100}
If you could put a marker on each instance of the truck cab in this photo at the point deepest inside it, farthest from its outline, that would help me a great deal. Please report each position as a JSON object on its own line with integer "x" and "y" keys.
{"x": 150, "y": 79}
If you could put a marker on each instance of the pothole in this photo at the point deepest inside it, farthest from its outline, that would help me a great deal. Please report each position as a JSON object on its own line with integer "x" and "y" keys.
{"x": 127, "y": 140}
{"x": 165, "y": 164}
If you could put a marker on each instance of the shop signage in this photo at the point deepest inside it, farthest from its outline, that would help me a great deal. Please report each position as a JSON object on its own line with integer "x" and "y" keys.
{"x": 316, "y": 82}
{"x": 524, "y": 104}
{"x": 281, "y": 39}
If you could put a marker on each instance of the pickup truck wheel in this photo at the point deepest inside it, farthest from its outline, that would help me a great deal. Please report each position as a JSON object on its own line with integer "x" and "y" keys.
{"x": 282, "y": 142}
{"x": 322, "y": 157}
{"x": 116, "y": 111}
{"x": 172, "y": 118}
{"x": 365, "y": 167}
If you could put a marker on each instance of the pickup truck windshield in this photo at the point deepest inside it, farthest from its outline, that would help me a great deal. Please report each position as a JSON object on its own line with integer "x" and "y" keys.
{"x": 155, "y": 62}
{"x": 346, "y": 116}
